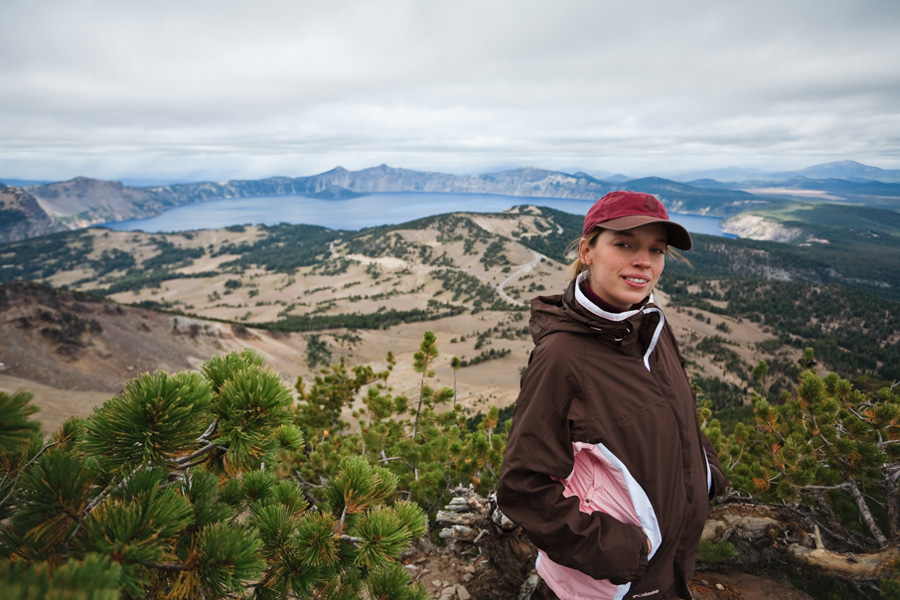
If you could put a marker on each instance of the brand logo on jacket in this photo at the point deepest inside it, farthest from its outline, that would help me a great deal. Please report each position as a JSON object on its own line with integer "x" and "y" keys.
{"x": 645, "y": 594}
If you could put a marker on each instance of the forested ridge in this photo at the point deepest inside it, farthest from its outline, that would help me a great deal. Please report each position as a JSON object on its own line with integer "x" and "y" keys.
{"x": 838, "y": 297}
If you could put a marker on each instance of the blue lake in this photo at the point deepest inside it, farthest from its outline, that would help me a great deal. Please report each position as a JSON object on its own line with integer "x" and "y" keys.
{"x": 358, "y": 213}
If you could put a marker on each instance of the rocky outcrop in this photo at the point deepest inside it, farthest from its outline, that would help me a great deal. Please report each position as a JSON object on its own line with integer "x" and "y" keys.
{"x": 82, "y": 202}
{"x": 755, "y": 227}
{"x": 21, "y": 216}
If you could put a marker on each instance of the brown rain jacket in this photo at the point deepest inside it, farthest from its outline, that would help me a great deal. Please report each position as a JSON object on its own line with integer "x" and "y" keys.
{"x": 616, "y": 381}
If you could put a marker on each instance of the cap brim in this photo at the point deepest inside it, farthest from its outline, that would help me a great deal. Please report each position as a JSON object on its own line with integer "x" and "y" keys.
{"x": 676, "y": 235}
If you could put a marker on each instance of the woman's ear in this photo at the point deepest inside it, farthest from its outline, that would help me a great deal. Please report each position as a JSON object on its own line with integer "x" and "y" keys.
{"x": 584, "y": 252}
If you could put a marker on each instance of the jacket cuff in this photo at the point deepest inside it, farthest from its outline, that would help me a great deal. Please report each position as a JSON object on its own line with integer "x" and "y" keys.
{"x": 643, "y": 561}
{"x": 719, "y": 483}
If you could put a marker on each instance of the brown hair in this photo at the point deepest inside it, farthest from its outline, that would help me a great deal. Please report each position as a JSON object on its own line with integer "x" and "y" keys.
{"x": 576, "y": 266}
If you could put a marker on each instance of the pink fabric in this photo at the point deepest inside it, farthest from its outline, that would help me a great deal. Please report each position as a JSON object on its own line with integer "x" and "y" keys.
{"x": 599, "y": 486}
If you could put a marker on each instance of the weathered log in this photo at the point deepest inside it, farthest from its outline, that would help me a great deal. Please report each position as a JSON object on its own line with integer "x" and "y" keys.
{"x": 792, "y": 536}
{"x": 861, "y": 567}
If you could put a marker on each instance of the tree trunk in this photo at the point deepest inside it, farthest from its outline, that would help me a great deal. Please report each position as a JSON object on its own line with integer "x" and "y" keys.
{"x": 865, "y": 512}
{"x": 892, "y": 487}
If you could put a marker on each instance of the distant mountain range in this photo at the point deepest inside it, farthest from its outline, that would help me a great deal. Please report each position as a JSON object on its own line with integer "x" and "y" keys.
{"x": 848, "y": 170}
{"x": 81, "y": 202}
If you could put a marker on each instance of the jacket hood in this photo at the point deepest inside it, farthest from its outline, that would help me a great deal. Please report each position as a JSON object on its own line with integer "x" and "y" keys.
{"x": 634, "y": 332}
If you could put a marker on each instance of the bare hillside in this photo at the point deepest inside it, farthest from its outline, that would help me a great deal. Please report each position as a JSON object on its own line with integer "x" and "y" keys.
{"x": 467, "y": 278}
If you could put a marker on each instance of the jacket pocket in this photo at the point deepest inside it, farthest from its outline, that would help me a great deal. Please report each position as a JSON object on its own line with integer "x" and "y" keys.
{"x": 602, "y": 482}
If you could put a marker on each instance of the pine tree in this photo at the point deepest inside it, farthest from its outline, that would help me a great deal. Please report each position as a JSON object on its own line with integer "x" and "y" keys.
{"x": 831, "y": 447}
{"x": 172, "y": 490}
{"x": 827, "y": 443}
{"x": 455, "y": 364}
{"x": 429, "y": 458}
{"x": 423, "y": 360}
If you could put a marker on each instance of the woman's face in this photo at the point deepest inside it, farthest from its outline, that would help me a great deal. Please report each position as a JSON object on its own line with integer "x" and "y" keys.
{"x": 625, "y": 265}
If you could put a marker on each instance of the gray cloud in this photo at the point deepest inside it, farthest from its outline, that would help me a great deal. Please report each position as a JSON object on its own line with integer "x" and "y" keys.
{"x": 229, "y": 89}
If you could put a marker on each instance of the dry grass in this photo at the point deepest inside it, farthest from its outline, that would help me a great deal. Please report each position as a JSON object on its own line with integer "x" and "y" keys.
{"x": 132, "y": 340}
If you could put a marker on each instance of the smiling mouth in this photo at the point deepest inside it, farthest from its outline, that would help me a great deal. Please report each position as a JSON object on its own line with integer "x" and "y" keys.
{"x": 636, "y": 280}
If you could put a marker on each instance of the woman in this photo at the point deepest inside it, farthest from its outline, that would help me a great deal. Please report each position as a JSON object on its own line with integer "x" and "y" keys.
{"x": 606, "y": 469}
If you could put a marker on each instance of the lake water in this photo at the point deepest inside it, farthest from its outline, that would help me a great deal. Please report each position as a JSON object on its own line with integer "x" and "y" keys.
{"x": 358, "y": 213}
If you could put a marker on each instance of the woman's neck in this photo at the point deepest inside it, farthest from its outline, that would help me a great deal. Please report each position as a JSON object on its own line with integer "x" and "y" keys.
{"x": 600, "y": 302}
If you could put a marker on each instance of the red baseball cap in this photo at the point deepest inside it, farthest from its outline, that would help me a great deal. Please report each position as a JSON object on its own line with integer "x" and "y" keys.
{"x": 626, "y": 210}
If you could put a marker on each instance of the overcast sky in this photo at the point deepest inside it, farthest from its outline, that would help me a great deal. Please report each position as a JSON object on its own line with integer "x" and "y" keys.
{"x": 220, "y": 89}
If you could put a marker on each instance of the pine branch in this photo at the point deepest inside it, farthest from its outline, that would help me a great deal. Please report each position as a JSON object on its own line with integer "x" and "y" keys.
{"x": 418, "y": 412}
{"x": 304, "y": 489}
{"x": 306, "y": 484}
{"x": 777, "y": 434}
{"x": 732, "y": 463}
{"x": 169, "y": 566}
{"x": 866, "y": 513}
{"x": 819, "y": 429}
{"x": 96, "y": 501}
{"x": 824, "y": 488}
{"x": 14, "y": 482}
{"x": 826, "y": 509}
{"x": 193, "y": 455}
{"x": 385, "y": 459}
{"x": 185, "y": 461}
{"x": 856, "y": 414}
{"x": 851, "y": 486}
{"x": 892, "y": 487}
{"x": 209, "y": 431}
{"x": 204, "y": 437}
{"x": 836, "y": 530}
{"x": 195, "y": 463}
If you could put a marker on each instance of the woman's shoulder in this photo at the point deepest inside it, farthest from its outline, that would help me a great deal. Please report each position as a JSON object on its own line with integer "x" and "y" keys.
{"x": 559, "y": 341}
{"x": 561, "y": 349}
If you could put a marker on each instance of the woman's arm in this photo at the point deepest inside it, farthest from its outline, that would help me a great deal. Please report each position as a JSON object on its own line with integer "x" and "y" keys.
{"x": 719, "y": 483}
{"x": 538, "y": 454}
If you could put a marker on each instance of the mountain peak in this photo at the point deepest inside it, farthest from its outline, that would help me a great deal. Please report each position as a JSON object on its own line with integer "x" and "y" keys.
{"x": 845, "y": 163}
{"x": 338, "y": 170}
{"x": 849, "y": 170}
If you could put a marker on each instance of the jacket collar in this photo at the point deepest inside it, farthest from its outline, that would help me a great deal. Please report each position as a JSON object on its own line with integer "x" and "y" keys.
{"x": 632, "y": 332}
{"x": 588, "y": 304}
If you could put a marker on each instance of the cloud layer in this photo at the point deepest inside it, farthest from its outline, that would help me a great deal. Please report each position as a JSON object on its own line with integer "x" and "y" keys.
{"x": 229, "y": 89}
